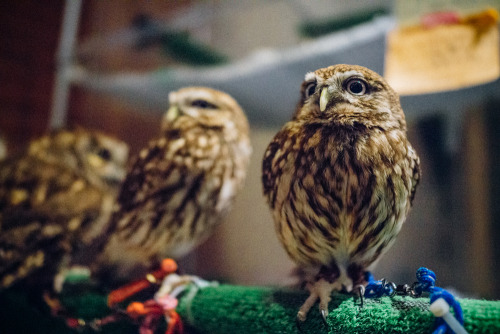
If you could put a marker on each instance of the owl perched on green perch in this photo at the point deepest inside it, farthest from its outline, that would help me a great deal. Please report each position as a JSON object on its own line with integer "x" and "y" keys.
{"x": 55, "y": 198}
{"x": 180, "y": 186}
{"x": 340, "y": 178}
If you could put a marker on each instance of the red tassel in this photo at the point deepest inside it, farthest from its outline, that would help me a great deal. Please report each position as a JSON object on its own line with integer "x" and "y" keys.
{"x": 174, "y": 325}
{"x": 168, "y": 266}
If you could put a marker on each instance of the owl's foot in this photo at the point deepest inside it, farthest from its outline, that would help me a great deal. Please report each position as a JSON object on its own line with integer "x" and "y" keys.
{"x": 321, "y": 289}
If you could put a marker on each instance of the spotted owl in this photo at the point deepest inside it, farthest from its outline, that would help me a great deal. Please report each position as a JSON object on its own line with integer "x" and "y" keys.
{"x": 340, "y": 178}
{"x": 55, "y": 198}
{"x": 179, "y": 187}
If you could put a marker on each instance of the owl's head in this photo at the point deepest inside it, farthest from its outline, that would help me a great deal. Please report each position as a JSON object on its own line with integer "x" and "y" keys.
{"x": 101, "y": 159}
{"x": 349, "y": 93}
{"x": 203, "y": 107}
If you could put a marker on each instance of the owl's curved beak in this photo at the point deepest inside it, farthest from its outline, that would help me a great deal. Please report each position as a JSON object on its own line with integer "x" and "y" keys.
{"x": 172, "y": 113}
{"x": 324, "y": 98}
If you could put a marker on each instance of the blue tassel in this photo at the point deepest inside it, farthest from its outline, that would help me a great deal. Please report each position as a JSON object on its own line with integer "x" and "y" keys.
{"x": 426, "y": 283}
{"x": 426, "y": 280}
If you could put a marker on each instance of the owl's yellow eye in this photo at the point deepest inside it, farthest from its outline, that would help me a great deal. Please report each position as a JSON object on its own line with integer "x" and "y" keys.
{"x": 310, "y": 89}
{"x": 356, "y": 86}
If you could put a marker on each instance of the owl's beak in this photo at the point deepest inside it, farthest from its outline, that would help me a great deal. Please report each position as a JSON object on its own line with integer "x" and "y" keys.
{"x": 172, "y": 113}
{"x": 324, "y": 98}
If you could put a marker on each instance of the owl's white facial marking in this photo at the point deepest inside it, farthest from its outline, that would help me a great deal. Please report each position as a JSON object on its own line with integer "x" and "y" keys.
{"x": 310, "y": 76}
{"x": 338, "y": 78}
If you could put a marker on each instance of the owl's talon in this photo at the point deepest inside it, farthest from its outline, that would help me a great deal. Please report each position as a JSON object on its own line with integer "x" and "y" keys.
{"x": 324, "y": 314}
{"x": 361, "y": 294}
{"x": 298, "y": 323}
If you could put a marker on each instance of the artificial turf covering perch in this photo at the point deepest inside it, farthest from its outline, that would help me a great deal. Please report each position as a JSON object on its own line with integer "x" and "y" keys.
{"x": 243, "y": 309}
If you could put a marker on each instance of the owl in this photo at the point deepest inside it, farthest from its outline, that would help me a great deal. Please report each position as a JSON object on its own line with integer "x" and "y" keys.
{"x": 179, "y": 187}
{"x": 340, "y": 178}
{"x": 55, "y": 199}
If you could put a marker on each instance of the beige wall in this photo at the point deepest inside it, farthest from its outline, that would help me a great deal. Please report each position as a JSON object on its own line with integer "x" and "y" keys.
{"x": 245, "y": 249}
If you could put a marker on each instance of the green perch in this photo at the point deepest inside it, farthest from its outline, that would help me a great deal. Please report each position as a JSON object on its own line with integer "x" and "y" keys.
{"x": 244, "y": 309}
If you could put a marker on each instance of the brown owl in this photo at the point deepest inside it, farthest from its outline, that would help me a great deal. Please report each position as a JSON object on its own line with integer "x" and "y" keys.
{"x": 55, "y": 198}
{"x": 180, "y": 185}
{"x": 340, "y": 178}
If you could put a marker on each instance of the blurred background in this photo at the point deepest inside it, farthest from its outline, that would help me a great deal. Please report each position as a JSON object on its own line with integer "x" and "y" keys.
{"x": 109, "y": 65}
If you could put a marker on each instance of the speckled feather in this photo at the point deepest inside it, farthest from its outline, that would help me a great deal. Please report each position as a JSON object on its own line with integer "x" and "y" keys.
{"x": 181, "y": 185}
{"x": 340, "y": 182}
{"x": 55, "y": 198}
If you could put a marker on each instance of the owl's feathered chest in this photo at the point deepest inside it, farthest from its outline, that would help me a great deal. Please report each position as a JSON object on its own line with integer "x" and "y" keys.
{"x": 327, "y": 164}
{"x": 325, "y": 159}
{"x": 337, "y": 185}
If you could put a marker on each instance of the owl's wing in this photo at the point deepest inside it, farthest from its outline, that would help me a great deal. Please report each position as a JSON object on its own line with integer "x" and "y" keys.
{"x": 271, "y": 164}
{"x": 267, "y": 166}
{"x": 152, "y": 187}
{"x": 415, "y": 164}
{"x": 44, "y": 211}
{"x": 150, "y": 175}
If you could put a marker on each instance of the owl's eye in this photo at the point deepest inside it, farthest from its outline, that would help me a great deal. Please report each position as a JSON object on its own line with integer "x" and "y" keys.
{"x": 356, "y": 86}
{"x": 310, "y": 89}
{"x": 203, "y": 104}
{"x": 104, "y": 154}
